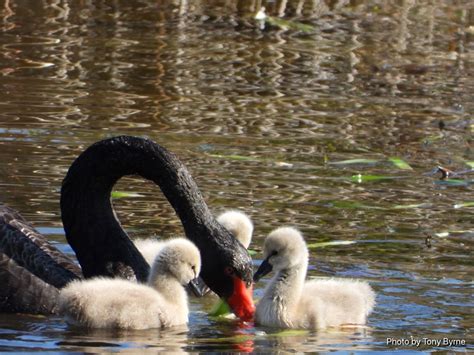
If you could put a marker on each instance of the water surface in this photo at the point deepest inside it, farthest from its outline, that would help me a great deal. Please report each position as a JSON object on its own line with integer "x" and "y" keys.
{"x": 268, "y": 121}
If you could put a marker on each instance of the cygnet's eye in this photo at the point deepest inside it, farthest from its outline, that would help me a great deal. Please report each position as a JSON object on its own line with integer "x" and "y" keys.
{"x": 273, "y": 253}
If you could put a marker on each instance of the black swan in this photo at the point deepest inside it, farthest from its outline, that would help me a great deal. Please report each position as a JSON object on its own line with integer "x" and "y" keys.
{"x": 32, "y": 271}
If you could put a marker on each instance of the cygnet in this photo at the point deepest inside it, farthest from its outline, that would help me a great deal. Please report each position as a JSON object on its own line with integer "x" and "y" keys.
{"x": 291, "y": 302}
{"x": 236, "y": 222}
{"x": 123, "y": 304}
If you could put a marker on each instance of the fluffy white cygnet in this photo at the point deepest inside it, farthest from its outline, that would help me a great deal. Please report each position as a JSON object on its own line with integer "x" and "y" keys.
{"x": 236, "y": 222}
{"x": 123, "y": 304}
{"x": 149, "y": 248}
{"x": 290, "y": 302}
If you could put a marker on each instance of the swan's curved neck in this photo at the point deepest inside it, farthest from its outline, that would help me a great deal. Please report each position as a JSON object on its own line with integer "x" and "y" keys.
{"x": 92, "y": 229}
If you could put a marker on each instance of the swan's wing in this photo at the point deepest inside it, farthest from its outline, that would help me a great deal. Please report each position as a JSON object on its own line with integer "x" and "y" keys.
{"x": 346, "y": 292}
{"x": 30, "y": 249}
{"x": 31, "y": 269}
{"x": 340, "y": 301}
{"x": 21, "y": 291}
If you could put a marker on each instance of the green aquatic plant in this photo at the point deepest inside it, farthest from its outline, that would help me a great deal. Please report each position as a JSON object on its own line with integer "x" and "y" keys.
{"x": 399, "y": 163}
{"x": 354, "y": 161}
{"x": 289, "y": 24}
{"x": 464, "y": 204}
{"x": 360, "y": 178}
{"x": 262, "y": 19}
{"x": 351, "y": 205}
{"x": 237, "y": 157}
{"x": 221, "y": 308}
{"x": 330, "y": 244}
{"x": 289, "y": 333}
{"x": 411, "y": 206}
{"x": 124, "y": 194}
{"x": 233, "y": 157}
{"x": 452, "y": 182}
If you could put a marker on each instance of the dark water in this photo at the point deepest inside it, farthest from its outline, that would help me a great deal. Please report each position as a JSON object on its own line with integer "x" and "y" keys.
{"x": 270, "y": 122}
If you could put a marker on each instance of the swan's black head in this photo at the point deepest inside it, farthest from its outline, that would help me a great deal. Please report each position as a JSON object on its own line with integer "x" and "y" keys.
{"x": 227, "y": 270}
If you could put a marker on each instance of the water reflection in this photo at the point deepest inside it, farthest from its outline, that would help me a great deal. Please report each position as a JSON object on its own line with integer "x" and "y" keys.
{"x": 155, "y": 341}
{"x": 259, "y": 117}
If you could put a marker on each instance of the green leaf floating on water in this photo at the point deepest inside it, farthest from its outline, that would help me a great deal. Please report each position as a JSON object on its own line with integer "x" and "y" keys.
{"x": 470, "y": 164}
{"x": 432, "y": 139}
{"x": 289, "y": 333}
{"x": 464, "y": 204}
{"x": 330, "y": 244}
{"x": 447, "y": 234}
{"x": 407, "y": 207}
{"x": 351, "y": 205}
{"x": 233, "y": 157}
{"x": 251, "y": 159}
{"x": 368, "y": 178}
{"x": 221, "y": 308}
{"x": 354, "y": 161}
{"x": 347, "y": 204}
{"x": 122, "y": 194}
{"x": 399, "y": 163}
{"x": 288, "y": 24}
{"x": 252, "y": 252}
{"x": 452, "y": 182}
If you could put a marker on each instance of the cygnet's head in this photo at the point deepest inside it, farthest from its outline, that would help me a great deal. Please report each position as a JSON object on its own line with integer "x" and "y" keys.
{"x": 283, "y": 248}
{"x": 238, "y": 224}
{"x": 178, "y": 258}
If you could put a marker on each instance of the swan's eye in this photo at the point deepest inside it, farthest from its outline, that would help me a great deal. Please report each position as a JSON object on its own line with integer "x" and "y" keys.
{"x": 229, "y": 270}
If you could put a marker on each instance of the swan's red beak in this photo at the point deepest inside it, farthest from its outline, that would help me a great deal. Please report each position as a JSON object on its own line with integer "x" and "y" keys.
{"x": 241, "y": 300}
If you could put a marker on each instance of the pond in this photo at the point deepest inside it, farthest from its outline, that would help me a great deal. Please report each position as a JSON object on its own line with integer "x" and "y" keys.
{"x": 334, "y": 121}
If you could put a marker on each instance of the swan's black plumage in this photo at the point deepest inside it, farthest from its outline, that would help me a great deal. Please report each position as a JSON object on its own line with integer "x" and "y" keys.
{"x": 101, "y": 245}
{"x": 31, "y": 269}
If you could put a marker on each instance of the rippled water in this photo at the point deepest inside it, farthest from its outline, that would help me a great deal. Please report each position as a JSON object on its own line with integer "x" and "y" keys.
{"x": 270, "y": 122}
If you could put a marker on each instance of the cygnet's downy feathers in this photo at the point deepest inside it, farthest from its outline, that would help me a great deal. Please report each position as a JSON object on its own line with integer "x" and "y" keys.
{"x": 236, "y": 222}
{"x": 118, "y": 303}
{"x": 290, "y": 302}
{"x": 149, "y": 248}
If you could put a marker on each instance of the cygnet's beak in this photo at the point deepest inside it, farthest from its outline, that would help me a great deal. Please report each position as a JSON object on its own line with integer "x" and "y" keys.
{"x": 241, "y": 300}
{"x": 264, "y": 268}
{"x": 198, "y": 287}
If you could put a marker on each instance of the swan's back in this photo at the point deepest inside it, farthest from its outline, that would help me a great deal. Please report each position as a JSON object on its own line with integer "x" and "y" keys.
{"x": 112, "y": 303}
{"x": 31, "y": 269}
{"x": 335, "y": 302}
{"x": 23, "y": 291}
